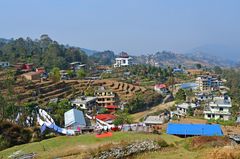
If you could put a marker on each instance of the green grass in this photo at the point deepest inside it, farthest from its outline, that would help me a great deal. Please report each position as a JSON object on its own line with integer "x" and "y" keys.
{"x": 172, "y": 153}
{"x": 170, "y": 139}
{"x": 66, "y": 145}
{"x": 78, "y": 146}
{"x": 179, "y": 151}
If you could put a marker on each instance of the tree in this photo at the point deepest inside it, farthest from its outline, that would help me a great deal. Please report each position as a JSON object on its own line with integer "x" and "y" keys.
{"x": 180, "y": 95}
{"x": 3, "y": 104}
{"x": 81, "y": 74}
{"x": 189, "y": 94}
{"x": 70, "y": 73}
{"x": 57, "y": 110}
{"x": 217, "y": 70}
{"x": 171, "y": 82}
{"x": 199, "y": 66}
{"x": 55, "y": 74}
{"x": 103, "y": 111}
{"x": 190, "y": 111}
{"x": 123, "y": 117}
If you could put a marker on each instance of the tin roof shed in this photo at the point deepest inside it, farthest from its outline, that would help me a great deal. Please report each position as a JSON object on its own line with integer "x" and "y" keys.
{"x": 74, "y": 116}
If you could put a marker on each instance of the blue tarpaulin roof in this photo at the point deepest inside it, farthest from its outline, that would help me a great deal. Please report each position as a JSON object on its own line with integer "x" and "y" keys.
{"x": 194, "y": 129}
{"x": 189, "y": 86}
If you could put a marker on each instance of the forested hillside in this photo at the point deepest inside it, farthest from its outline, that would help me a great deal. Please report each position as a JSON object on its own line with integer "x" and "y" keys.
{"x": 42, "y": 52}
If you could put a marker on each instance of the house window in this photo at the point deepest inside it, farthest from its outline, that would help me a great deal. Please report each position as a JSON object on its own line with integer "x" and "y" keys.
{"x": 220, "y": 109}
{"x": 221, "y": 116}
{"x": 124, "y": 61}
{"x": 209, "y": 115}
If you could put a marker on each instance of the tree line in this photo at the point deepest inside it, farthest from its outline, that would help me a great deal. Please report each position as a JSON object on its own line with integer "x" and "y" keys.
{"x": 42, "y": 52}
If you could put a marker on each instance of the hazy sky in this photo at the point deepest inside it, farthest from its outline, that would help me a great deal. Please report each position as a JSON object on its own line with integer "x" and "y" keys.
{"x": 135, "y": 26}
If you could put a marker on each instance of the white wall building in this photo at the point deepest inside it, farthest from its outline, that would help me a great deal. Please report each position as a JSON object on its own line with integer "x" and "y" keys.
{"x": 84, "y": 102}
{"x": 4, "y": 64}
{"x": 183, "y": 108}
{"x": 123, "y": 60}
{"x": 219, "y": 108}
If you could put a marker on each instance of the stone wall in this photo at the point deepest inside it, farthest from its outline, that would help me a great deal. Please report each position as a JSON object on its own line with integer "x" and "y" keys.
{"x": 128, "y": 150}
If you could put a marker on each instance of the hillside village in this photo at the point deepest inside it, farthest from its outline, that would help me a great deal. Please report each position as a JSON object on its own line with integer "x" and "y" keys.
{"x": 107, "y": 98}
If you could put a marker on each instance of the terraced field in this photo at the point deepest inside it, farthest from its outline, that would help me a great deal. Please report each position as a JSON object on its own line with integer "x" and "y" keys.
{"x": 42, "y": 92}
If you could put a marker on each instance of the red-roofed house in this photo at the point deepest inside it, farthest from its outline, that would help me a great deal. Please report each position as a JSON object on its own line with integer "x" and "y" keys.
{"x": 108, "y": 118}
{"x": 40, "y": 70}
{"x": 27, "y": 67}
{"x": 161, "y": 88}
{"x": 111, "y": 108}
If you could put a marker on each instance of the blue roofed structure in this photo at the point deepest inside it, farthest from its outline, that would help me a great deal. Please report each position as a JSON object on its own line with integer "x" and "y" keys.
{"x": 193, "y": 86}
{"x": 194, "y": 129}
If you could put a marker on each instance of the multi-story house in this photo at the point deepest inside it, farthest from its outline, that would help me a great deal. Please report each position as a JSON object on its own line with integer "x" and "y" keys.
{"x": 208, "y": 83}
{"x": 105, "y": 97}
{"x": 123, "y": 60}
{"x": 218, "y": 108}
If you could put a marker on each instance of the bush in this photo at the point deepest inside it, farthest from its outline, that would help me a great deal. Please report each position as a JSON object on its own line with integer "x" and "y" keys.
{"x": 162, "y": 143}
{"x": 222, "y": 122}
{"x": 12, "y": 134}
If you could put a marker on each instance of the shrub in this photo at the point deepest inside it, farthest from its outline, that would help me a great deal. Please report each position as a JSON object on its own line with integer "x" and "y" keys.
{"x": 12, "y": 134}
{"x": 162, "y": 143}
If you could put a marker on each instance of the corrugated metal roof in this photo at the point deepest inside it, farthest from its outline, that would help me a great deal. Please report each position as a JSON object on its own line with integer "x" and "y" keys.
{"x": 194, "y": 129}
{"x": 74, "y": 116}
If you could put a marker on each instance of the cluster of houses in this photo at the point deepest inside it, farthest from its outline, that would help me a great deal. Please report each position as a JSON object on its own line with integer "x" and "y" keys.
{"x": 29, "y": 71}
{"x": 205, "y": 104}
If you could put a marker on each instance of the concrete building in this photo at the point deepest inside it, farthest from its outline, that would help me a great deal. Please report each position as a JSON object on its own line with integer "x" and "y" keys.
{"x": 4, "y": 64}
{"x": 123, "y": 60}
{"x": 74, "y": 120}
{"x": 32, "y": 76}
{"x": 84, "y": 102}
{"x": 219, "y": 108}
{"x": 77, "y": 65}
{"x": 183, "y": 108}
{"x": 208, "y": 83}
{"x": 105, "y": 97}
{"x": 156, "y": 120}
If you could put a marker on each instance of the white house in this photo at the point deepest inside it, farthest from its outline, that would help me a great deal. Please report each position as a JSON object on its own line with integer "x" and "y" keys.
{"x": 183, "y": 108}
{"x": 123, "y": 60}
{"x": 74, "y": 120}
{"x": 84, "y": 102}
{"x": 219, "y": 108}
{"x": 77, "y": 65}
{"x": 4, "y": 64}
{"x": 157, "y": 120}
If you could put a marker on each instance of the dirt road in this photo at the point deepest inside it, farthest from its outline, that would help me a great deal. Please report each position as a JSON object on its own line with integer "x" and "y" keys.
{"x": 138, "y": 116}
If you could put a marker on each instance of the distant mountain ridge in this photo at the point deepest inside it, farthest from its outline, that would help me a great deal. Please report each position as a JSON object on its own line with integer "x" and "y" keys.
{"x": 208, "y": 55}
{"x": 187, "y": 60}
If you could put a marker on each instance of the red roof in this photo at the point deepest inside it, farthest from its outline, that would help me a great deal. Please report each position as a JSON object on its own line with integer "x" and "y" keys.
{"x": 40, "y": 70}
{"x": 111, "y": 107}
{"x": 160, "y": 86}
{"x": 105, "y": 117}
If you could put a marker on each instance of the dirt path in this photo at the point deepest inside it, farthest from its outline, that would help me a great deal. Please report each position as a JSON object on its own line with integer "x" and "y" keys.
{"x": 138, "y": 116}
